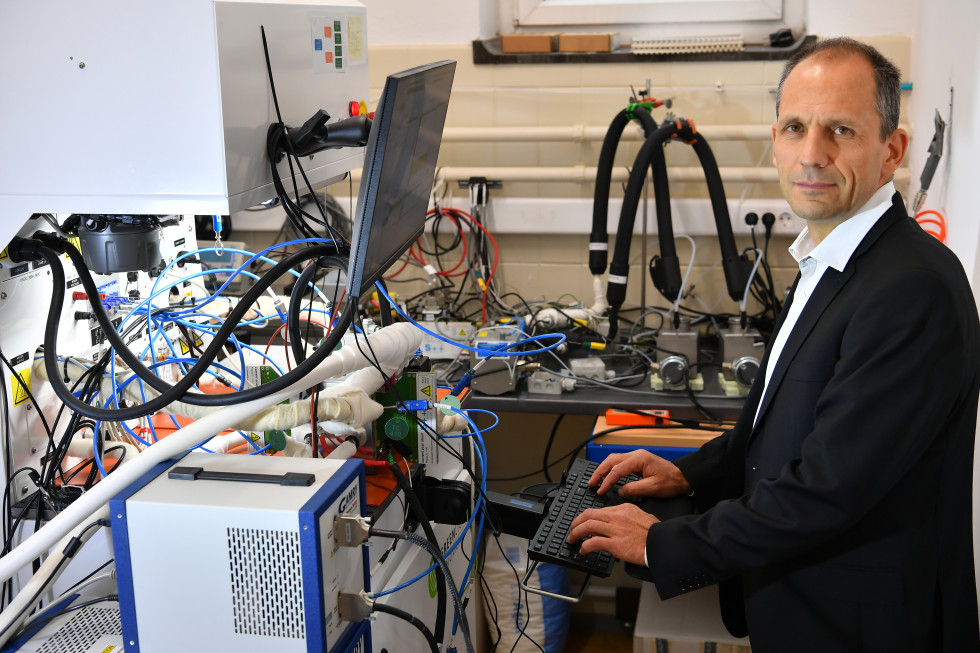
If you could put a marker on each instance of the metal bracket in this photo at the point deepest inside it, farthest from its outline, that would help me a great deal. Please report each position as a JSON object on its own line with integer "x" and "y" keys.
{"x": 552, "y": 595}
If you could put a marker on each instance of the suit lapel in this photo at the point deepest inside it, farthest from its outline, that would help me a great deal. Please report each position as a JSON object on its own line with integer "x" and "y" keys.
{"x": 828, "y": 287}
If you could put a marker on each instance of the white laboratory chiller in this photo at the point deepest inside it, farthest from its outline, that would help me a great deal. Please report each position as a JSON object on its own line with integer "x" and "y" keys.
{"x": 163, "y": 106}
{"x": 220, "y": 553}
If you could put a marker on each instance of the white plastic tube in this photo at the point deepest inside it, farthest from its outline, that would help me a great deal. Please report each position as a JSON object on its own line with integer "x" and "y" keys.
{"x": 552, "y": 318}
{"x": 580, "y": 133}
{"x": 343, "y": 452}
{"x": 586, "y": 174}
{"x": 81, "y": 447}
{"x": 17, "y": 611}
{"x": 348, "y": 402}
{"x": 393, "y": 346}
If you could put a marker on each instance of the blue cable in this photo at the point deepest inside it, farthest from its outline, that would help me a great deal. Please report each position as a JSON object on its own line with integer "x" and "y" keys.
{"x": 232, "y": 338}
{"x": 240, "y": 345}
{"x": 486, "y": 353}
{"x": 476, "y": 510}
{"x": 259, "y": 256}
{"x": 481, "y": 449}
{"x": 118, "y": 388}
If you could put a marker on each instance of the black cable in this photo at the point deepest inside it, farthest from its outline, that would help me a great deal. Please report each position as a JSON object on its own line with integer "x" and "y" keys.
{"x": 522, "y": 628}
{"x": 30, "y": 395}
{"x": 40, "y": 621}
{"x": 306, "y": 277}
{"x": 178, "y": 391}
{"x": 547, "y": 448}
{"x": 413, "y": 620}
{"x": 8, "y": 456}
{"x": 416, "y": 505}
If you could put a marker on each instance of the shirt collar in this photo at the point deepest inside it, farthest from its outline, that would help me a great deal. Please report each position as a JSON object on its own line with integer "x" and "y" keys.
{"x": 836, "y": 249}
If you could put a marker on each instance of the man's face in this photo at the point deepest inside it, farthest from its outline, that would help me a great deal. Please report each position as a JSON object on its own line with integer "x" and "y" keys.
{"x": 827, "y": 143}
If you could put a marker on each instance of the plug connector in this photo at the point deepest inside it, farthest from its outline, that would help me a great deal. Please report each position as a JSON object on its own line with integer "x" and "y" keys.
{"x": 354, "y": 607}
{"x": 350, "y": 530}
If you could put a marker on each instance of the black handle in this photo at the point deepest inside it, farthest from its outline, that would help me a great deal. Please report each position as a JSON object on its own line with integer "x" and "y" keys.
{"x": 199, "y": 474}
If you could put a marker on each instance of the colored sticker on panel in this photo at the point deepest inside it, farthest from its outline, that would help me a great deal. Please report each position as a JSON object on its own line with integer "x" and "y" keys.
{"x": 21, "y": 384}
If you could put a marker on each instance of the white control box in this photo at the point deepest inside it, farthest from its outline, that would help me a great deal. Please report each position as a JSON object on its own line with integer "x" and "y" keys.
{"x": 164, "y": 106}
{"x": 237, "y": 553}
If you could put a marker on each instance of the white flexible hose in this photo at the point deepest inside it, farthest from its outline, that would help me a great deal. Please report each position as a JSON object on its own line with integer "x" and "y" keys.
{"x": 344, "y": 451}
{"x": 552, "y": 318}
{"x": 348, "y": 402}
{"x": 17, "y": 611}
{"x": 393, "y": 346}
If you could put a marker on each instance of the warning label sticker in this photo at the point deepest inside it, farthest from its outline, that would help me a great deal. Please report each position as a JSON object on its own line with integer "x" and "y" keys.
{"x": 21, "y": 384}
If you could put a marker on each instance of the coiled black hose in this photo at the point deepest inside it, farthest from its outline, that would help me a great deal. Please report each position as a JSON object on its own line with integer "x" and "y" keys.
{"x": 180, "y": 390}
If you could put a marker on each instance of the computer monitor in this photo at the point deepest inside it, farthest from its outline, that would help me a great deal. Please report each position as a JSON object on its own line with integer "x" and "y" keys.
{"x": 399, "y": 166}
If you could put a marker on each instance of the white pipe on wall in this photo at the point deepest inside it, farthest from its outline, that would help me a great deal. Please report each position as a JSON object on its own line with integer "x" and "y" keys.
{"x": 582, "y": 133}
{"x": 586, "y": 174}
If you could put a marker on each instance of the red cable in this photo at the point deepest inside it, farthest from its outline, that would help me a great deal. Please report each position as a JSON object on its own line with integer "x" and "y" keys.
{"x": 939, "y": 221}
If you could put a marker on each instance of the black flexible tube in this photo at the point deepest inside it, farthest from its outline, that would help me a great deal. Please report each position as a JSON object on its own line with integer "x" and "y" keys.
{"x": 178, "y": 391}
{"x": 296, "y": 298}
{"x": 599, "y": 238}
{"x": 665, "y": 269}
{"x": 733, "y": 265}
{"x": 412, "y": 619}
{"x": 651, "y": 151}
{"x": 416, "y": 505}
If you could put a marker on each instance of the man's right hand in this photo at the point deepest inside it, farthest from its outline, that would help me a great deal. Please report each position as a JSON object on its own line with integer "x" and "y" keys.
{"x": 661, "y": 478}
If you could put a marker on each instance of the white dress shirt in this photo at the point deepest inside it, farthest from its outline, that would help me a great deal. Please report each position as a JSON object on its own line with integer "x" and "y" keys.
{"x": 834, "y": 251}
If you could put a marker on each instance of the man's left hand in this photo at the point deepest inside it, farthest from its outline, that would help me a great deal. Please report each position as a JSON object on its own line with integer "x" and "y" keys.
{"x": 621, "y": 530}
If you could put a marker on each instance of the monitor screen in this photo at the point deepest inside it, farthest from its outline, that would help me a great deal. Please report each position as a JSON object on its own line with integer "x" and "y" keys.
{"x": 399, "y": 166}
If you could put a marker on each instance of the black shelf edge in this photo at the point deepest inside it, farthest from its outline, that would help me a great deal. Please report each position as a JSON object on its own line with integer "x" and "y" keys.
{"x": 487, "y": 51}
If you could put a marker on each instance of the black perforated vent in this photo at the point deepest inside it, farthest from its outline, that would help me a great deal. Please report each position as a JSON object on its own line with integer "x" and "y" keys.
{"x": 266, "y": 583}
{"x": 83, "y": 630}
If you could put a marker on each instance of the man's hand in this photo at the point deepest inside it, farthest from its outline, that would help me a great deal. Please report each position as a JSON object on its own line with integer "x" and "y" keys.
{"x": 661, "y": 478}
{"x": 621, "y": 530}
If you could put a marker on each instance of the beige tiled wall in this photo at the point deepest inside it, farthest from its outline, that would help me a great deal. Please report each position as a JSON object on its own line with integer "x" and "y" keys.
{"x": 546, "y": 266}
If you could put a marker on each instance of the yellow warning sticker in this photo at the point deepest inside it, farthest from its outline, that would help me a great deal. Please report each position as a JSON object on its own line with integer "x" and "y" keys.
{"x": 198, "y": 342}
{"x": 4, "y": 255}
{"x": 21, "y": 383}
{"x": 426, "y": 390}
{"x": 76, "y": 242}
{"x": 109, "y": 649}
{"x": 184, "y": 349}
{"x": 462, "y": 332}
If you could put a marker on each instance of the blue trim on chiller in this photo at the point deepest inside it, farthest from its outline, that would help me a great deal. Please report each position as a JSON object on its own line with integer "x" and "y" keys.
{"x": 356, "y": 640}
{"x": 16, "y": 644}
{"x": 123, "y": 554}
{"x": 310, "y": 554}
{"x": 597, "y": 452}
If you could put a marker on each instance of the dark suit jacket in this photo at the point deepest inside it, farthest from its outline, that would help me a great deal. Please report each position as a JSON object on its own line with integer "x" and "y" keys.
{"x": 842, "y": 521}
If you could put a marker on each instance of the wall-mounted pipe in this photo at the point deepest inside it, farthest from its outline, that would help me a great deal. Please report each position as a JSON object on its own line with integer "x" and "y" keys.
{"x": 581, "y": 133}
{"x": 586, "y": 174}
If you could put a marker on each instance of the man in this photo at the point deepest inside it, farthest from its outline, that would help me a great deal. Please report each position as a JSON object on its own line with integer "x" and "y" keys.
{"x": 837, "y": 513}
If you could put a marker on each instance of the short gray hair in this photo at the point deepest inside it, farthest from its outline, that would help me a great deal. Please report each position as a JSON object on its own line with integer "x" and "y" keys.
{"x": 887, "y": 76}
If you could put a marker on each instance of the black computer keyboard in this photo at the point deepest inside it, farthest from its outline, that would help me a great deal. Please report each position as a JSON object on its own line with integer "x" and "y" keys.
{"x": 549, "y": 544}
